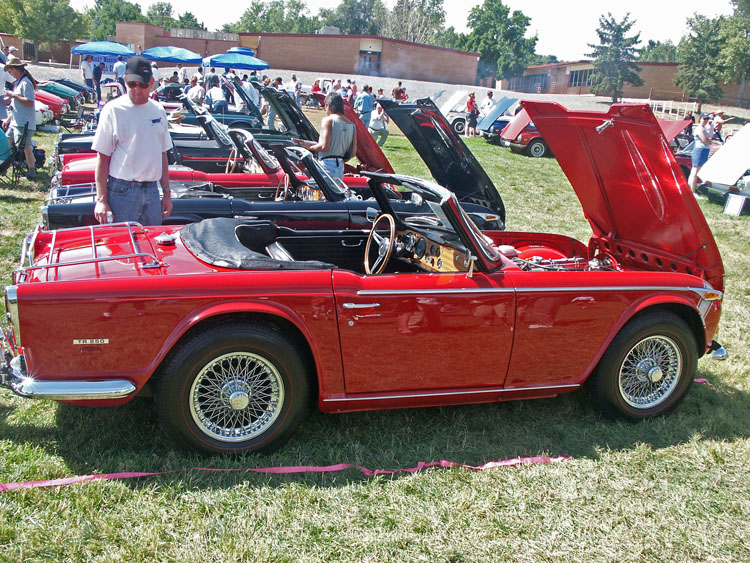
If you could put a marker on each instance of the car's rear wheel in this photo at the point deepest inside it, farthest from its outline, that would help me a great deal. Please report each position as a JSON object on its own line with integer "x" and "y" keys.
{"x": 537, "y": 148}
{"x": 459, "y": 126}
{"x": 647, "y": 369}
{"x": 235, "y": 388}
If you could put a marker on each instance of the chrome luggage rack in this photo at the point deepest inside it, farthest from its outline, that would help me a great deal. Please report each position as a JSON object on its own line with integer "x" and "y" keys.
{"x": 150, "y": 261}
{"x": 65, "y": 194}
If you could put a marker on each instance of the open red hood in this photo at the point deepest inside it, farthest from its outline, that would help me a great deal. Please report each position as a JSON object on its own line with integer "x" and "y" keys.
{"x": 630, "y": 186}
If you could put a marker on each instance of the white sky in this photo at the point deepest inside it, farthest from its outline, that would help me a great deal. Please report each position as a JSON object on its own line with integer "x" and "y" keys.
{"x": 564, "y": 28}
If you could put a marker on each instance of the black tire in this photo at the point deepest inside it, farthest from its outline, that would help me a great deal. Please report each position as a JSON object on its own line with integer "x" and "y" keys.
{"x": 236, "y": 412}
{"x": 537, "y": 148}
{"x": 647, "y": 369}
{"x": 459, "y": 126}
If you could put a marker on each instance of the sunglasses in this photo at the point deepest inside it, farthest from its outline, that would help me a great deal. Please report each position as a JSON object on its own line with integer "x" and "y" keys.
{"x": 141, "y": 85}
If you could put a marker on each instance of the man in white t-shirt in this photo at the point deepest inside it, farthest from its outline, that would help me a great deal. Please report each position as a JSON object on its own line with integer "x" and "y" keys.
{"x": 132, "y": 140}
{"x": 181, "y": 73}
{"x": 487, "y": 105}
{"x": 87, "y": 68}
{"x": 119, "y": 70}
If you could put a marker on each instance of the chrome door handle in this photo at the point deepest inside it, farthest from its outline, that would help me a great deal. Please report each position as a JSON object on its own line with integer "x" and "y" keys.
{"x": 360, "y": 305}
{"x": 343, "y": 243}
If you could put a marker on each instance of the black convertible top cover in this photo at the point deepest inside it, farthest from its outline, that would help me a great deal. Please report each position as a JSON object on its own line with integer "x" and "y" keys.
{"x": 215, "y": 241}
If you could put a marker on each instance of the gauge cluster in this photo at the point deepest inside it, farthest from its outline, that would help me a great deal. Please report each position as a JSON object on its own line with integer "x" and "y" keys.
{"x": 432, "y": 256}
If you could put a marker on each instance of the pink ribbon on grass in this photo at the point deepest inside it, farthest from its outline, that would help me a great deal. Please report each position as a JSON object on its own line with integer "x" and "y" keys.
{"x": 283, "y": 470}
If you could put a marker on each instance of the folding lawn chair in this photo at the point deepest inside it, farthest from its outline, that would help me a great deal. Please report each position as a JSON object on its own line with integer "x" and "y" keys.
{"x": 78, "y": 124}
{"x": 12, "y": 168}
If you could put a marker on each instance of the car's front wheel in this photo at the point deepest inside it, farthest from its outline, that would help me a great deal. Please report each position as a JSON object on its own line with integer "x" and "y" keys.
{"x": 647, "y": 369}
{"x": 537, "y": 148}
{"x": 235, "y": 388}
{"x": 459, "y": 126}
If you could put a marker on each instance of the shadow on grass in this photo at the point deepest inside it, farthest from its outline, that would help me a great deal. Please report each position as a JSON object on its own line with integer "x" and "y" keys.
{"x": 129, "y": 438}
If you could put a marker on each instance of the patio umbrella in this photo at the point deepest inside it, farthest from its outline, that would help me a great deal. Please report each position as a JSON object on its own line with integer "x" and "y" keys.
{"x": 107, "y": 48}
{"x": 242, "y": 51}
{"x": 235, "y": 60}
{"x": 172, "y": 55}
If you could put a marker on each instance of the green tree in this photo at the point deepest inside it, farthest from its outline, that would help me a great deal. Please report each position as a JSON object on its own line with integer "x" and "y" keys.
{"x": 275, "y": 16}
{"x": 741, "y": 7}
{"x": 160, "y": 13}
{"x": 614, "y": 57}
{"x": 659, "y": 52}
{"x": 418, "y": 21}
{"x": 356, "y": 17}
{"x": 499, "y": 36}
{"x": 106, "y": 13}
{"x": 451, "y": 39}
{"x": 735, "y": 51}
{"x": 189, "y": 21}
{"x": 60, "y": 21}
{"x": 699, "y": 71}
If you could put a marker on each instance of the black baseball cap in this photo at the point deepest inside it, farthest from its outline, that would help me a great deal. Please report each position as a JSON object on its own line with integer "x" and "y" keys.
{"x": 138, "y": 68}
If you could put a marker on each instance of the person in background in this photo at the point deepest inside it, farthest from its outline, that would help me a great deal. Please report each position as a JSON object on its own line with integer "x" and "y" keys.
{"x": 119, "y": 70}
{"x": 295, "y": 86}
{"x": 251, "y": 90}
{"x": 701, "y": 150}
{"x": 404, "y": 95}
{"x": 132, "y": 140}
{"x": 690, "y": 121}
{"x": 487, "y": 104}
{"x": 6, "y": 81}
{"x": 157, "y": 74}
{"x": 338, "y": 138}
{"x": 87, "y": 70}
{"x": 4, "y": 52}
{"x": 215, "y": 98}
{"x": 22, "y": 112}
{"x": 98, "y": 71}
{"x": 196, "y": 93}
{"x": 276, "y": 85}
{"x": 181, "y": 73}
{"x": 471, "y": 119}
{"x": 718, "y": 122}
{"x": 313, "y": 101}
{"x": 396, "y": 92}
{"x": 364, "y": 104}
{"x": 379, "y": 125}
{"x": 175, "y": 78}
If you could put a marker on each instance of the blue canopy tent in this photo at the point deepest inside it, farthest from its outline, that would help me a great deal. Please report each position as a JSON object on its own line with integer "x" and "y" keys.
{"x": 172, "y": 55}
{"x": 242, "y": 51}
{"x": 235, "y": 60}
{"x": 102, "y": 50}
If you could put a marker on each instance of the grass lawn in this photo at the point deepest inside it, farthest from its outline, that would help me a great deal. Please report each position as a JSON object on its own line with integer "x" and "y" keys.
{"x": 670, "y": 489}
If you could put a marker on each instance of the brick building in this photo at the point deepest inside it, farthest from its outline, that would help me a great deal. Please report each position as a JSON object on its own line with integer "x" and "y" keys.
{"x": 324, "y": 53}
{"x": 574, "y": 77}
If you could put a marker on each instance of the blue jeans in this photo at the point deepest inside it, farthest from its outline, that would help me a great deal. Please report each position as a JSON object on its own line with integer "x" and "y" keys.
{"x": 335, "y": 167}
{"x": 271, "y": 119}
{"x": 364, "y": 117}
{"x": 220, "y": 107}
{"x": 134, "y": 201}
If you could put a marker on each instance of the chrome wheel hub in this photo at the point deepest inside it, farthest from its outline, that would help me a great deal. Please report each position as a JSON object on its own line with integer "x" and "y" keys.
{"x": 650, "y": 372}
{"x": 237, "y": 396}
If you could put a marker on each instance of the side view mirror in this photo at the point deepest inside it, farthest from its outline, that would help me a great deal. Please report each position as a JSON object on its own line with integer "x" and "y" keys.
{"x": 416, "y": 199}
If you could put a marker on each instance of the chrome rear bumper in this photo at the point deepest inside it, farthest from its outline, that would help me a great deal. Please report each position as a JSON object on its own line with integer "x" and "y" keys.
{"x": 14, "y": 376}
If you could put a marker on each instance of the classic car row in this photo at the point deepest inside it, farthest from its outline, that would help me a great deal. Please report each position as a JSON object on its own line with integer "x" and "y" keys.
{"x": 235, "y": 329}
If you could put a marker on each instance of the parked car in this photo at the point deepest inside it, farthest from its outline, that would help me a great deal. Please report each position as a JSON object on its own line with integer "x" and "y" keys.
{"x": 235, "y": 334}
{"x": 492, "y": 124}
{"x": 43, "y": 113}
{"x": 56, "y": 104}
{"x": 88, "y": 93}
{"x": 728, "y": 170}
{"x": 73, "y": 97}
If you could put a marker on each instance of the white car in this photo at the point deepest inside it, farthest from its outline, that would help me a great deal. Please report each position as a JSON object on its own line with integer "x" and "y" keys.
{"x": 43, "y": 113}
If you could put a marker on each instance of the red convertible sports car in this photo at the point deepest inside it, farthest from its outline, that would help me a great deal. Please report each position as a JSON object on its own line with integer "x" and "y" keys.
{"x": 235, "y": 335}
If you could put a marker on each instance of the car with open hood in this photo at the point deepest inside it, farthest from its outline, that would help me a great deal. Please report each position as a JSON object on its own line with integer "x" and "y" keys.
{"x": 235, "y": 333}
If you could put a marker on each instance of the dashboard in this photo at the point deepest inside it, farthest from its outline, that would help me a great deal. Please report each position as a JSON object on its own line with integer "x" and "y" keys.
{"x": 433, "y": 253}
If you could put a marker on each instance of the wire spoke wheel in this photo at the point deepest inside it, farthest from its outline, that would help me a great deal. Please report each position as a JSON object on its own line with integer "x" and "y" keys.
{"x": 236, "y": 396}
{"x": 650, "y": 371}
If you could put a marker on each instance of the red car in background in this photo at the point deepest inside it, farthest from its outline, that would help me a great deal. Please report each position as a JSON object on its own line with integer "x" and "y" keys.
{"x": 55, "y": 103}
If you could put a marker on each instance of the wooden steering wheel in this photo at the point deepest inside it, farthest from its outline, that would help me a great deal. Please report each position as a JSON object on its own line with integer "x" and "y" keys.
{"x": 231, "y": 161}
{"x": 385, "y": 245}
{"x": 285, "y": 183}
